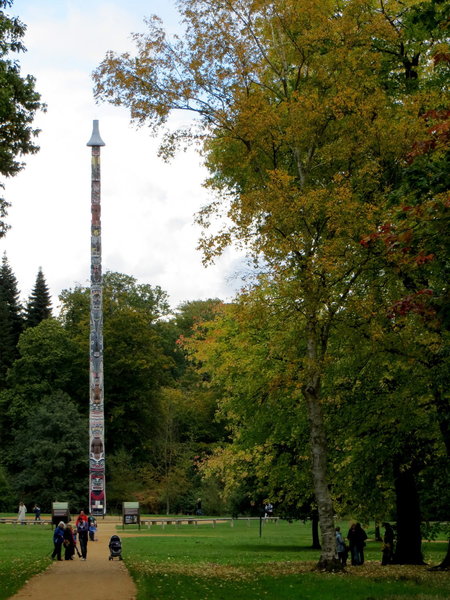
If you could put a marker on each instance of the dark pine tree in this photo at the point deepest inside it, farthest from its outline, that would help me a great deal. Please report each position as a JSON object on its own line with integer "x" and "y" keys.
{"x": 39, "y": 306}
{"x": 11, "y": 320}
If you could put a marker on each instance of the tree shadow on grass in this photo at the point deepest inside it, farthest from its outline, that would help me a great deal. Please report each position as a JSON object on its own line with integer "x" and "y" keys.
{"x": 273, "y": 548}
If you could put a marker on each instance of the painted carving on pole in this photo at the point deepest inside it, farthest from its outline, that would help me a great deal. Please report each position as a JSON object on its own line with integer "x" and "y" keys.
{"x": 97, "y": 498}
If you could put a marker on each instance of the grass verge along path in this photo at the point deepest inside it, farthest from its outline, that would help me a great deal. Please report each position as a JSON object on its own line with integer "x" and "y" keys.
{"x": 24, "y": 552}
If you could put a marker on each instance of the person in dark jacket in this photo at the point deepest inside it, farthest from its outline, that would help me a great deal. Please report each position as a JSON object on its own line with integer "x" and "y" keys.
{"x": 69, "y": 543}
{"x": 388, "y": 544}
{"x": 357, "y": 540}
{"x": 82, "y": 526}
{"x": 58, "y": 538}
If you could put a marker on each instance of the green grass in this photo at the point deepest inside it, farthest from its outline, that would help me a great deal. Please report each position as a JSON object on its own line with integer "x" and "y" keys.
{"x": 234, "y": 563}
{"x": 24, "y": 552}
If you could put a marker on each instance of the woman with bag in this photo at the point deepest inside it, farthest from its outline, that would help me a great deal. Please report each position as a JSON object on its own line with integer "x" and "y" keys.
{"x": 69, "y": 543}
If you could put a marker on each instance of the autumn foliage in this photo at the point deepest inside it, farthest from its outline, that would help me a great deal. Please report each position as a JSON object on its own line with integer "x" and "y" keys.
{"x": 319, "y": 123}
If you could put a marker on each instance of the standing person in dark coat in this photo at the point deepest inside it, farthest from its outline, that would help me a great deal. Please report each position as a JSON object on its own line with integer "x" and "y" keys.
{"x": 58, "y": 538}
{"x": 37, "y": 513}
{"x": 82, "y": 526}
{"x": 198, "y": 509}
{"x": 69, "y": 543}
{"x": 357, "y": 540}
{"x": 388, "y": 544}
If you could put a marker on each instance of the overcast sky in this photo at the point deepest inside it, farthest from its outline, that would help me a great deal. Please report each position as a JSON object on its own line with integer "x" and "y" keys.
{"x": 148, "y": 206}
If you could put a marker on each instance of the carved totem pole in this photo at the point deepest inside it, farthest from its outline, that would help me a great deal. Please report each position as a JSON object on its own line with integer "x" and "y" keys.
{"x": 97, "y": 497}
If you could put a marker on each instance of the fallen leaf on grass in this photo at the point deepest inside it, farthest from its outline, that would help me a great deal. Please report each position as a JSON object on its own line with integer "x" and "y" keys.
{"x": 370, "y": 570}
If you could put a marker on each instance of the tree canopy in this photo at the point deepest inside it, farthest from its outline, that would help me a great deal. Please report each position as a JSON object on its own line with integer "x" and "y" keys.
{"x": 19, "y": 103}
{"x": 307, "y": 115}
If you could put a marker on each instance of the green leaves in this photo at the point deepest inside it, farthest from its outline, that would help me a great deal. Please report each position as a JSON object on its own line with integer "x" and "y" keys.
{"x": 19, "y": 102}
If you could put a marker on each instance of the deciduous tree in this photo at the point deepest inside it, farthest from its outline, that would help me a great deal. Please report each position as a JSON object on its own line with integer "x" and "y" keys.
{"x": 134, "y": 360}
{"x": 302, "y": 137}
{"x": 19, "y": 103}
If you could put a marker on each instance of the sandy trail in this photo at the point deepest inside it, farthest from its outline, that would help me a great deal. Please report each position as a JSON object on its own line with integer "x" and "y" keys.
{"x": 96, "y": 578}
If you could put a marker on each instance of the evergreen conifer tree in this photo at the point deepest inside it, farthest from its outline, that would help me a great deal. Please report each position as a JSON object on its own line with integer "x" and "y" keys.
{"x": 11, "y": 320}
{"x": 39, "y": 306}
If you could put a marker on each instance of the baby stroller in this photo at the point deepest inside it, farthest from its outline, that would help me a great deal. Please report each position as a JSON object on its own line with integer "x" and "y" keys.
{"x": 115, "y": 547}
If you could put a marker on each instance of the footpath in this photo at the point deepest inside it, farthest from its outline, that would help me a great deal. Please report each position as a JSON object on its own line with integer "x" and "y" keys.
{"x": 96, "y": 578}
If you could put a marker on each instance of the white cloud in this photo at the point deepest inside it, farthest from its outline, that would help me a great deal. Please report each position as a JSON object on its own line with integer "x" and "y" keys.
{"x": 147, "y": 206}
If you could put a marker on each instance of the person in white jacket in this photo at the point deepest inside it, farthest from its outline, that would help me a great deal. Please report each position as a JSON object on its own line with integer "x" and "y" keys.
{"x": 21, "y": 515}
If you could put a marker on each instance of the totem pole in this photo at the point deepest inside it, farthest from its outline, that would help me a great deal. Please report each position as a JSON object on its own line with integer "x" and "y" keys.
{"x": 97, "y": 498}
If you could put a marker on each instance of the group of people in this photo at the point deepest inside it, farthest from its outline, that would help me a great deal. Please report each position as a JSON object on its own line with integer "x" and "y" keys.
{"x": 22, "y": 513}
{"x": 356, "y": 542}
{"x": 65, "y": 536}
{"x": 357, "y": 537}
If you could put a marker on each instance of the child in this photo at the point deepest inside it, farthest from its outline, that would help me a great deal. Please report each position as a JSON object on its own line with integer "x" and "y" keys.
{"x": 74, "y": 534}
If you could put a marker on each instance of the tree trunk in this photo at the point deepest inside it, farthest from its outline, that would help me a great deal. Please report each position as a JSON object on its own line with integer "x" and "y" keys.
{"x": 316, "y": 344}
{"x": 328, "y": 560}
{"x": 408, "y": 550}
{"x": 315, "y": 530}
{"x": 311, "y": 392}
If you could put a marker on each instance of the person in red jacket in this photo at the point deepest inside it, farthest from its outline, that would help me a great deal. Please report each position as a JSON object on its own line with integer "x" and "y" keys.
{"x": 82, "y": 526}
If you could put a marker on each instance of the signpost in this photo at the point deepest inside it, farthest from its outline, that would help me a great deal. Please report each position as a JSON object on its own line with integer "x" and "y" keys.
{"x": 60, "y": 512}
{"x": 131, "y": 514}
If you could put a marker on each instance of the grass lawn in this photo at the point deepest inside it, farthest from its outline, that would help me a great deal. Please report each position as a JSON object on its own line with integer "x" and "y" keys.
{"x": 24, "y": 552}
{"x": 234, "y": 563}
{"x": 189, "y": 562}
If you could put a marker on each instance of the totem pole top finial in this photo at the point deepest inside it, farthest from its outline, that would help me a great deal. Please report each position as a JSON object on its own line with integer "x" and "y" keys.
{"x": 95, "y": 140}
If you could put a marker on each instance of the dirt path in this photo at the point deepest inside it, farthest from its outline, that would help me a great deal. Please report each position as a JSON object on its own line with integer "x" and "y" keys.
{"x": 97, "y": 578}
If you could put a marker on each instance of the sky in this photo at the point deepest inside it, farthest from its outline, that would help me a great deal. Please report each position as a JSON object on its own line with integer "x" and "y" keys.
{"x": 148, "y": 206}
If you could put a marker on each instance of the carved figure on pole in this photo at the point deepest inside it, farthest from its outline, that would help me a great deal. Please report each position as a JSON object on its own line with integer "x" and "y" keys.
{"x": 97, "y": 497}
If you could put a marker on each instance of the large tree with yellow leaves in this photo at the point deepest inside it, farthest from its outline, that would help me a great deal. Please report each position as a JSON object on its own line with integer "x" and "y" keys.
{"x": 305, "y": 113}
